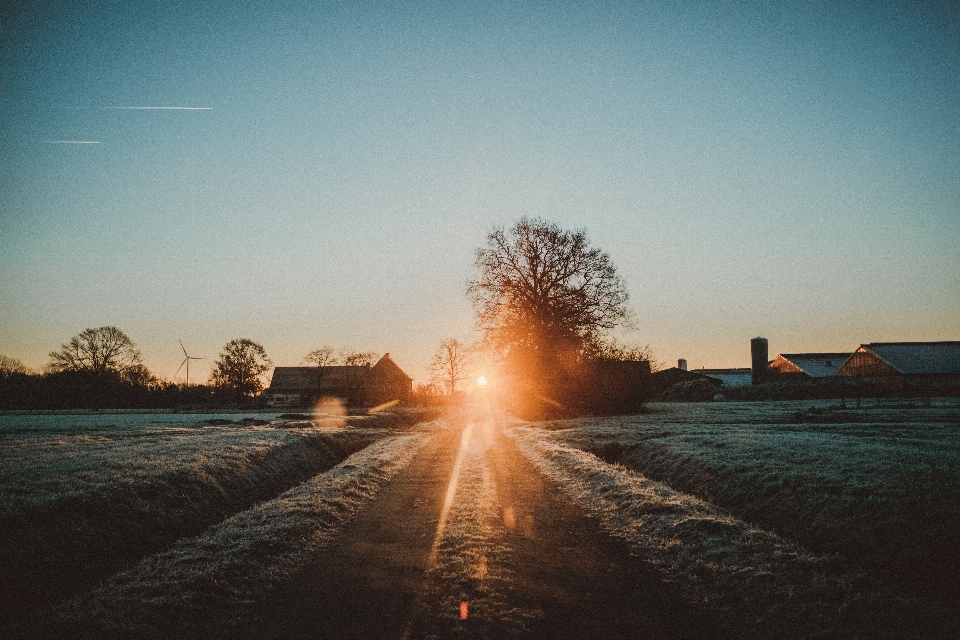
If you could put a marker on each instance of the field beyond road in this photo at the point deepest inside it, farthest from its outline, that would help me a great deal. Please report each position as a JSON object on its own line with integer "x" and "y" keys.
{"x": 685, "y": 521}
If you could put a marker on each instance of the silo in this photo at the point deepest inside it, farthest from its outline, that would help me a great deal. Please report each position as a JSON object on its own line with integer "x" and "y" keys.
{"x": 682, "y": 364}
{"x": 759, "y": 350}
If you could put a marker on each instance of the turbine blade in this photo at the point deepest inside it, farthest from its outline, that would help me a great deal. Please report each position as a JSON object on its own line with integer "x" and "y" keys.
{"x": 180, "y": 367}
{"x": 182, "y": 347}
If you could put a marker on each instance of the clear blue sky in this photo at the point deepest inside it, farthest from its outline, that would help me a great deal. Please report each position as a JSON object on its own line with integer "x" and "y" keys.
{"x": 790, "y": 170}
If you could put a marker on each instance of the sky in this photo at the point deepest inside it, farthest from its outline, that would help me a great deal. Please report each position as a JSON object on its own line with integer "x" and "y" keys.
{"x": 787, "y": 170}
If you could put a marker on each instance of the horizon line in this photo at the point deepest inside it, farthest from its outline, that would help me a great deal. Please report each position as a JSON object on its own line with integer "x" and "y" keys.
{"x": 70, "y": 141}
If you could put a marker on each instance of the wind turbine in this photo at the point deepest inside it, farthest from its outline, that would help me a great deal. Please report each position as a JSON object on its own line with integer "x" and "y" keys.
{"x": 186, "y": 361}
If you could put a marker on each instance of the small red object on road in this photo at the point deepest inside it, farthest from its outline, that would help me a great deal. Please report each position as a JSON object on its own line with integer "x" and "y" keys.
{"x": 463, "y": 610}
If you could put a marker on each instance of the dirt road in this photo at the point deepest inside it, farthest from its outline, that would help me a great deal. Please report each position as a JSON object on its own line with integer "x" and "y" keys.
{"x": 469, "y": 541}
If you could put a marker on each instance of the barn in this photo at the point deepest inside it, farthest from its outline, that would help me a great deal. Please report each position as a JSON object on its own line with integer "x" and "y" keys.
{"x": 795, "y": 367}
{"x": 359, "y": 385}
{"x": 918, "y": 362}
{"x": 735, "y": 377}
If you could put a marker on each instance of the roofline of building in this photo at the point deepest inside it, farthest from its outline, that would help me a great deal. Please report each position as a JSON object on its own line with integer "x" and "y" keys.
{"x": 879, "y": 357}
{"x": 911, "y": 344}
{"x": 815, "y": 355}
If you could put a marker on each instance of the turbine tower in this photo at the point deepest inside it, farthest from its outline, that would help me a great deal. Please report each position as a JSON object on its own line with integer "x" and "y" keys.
{"x": 186, "y": 361}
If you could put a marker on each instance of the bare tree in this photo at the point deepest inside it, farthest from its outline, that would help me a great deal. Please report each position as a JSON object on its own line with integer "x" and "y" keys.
{"x": 322, "y": 357}
{"x": 544, "y": 295}
{"x": 10, "y": 366}
{"x": 100, "y": 351}
{"x": 449, "y": 365}
{"x": 351, "y": 358}
{"x": 326, "y": 357}
{"x": 240, "y": 367}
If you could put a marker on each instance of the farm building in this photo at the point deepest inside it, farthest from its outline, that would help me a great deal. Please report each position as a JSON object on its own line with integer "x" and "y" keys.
{"x": 804, "y": 366}
{"x": 662, "y": 380}
{"x": 907, "y": 361}
{"x": 676, "y": 383}
{"x": 362, "y": 385}
{"x": 738, "y": 377}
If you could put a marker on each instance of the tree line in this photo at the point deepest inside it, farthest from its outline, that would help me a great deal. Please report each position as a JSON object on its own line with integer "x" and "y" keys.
{"x": 102, "y": 368}
{"x": 547, "y": 305}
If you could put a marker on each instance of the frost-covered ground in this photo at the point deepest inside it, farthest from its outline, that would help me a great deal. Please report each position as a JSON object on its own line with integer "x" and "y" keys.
{"x": 210, "y": 585}
{"x": 37, "y": 470}
{"x": 20, "y": 422}
{"x": 78, "y": 503}
{"x": 755, "y": 495}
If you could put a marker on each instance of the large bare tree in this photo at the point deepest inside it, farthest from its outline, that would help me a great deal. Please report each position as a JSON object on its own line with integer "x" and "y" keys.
{"x": 240, "y": 367}
{"x": 449, "y": 365}
{"x": 544, "y": 295}
{"x": 101, "y": 351}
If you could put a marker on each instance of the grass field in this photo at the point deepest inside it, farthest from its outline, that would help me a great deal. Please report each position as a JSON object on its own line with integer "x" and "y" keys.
{"x": 777, "y": 519}
{"x": 874, "y": 491}
{"x": 79, "y": 504}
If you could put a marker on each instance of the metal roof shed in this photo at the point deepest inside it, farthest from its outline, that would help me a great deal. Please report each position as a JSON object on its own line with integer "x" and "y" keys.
{"x": 881, "y": 359}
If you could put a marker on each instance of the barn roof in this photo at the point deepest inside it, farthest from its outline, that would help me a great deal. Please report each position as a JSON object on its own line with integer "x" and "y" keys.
{"x": 386, "y": 363}
{"x": 918, "y": 358}
{"x": 817, "y": 365}
{"x": 307, "y": 378}
{"x": 737, "y": 377}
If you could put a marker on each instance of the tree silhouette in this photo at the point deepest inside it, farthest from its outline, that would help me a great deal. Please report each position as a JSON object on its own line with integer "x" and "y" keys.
{"x": 10, "y": 366}
{"x": 239, "y": 367}
{"x": 322, "y": 357}
{"x": 100, "y": 351}
{"x": 449, "y": 365}
{"x": 544, "y": 296}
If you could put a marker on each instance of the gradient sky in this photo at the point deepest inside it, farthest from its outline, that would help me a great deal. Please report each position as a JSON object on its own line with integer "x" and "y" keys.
{"x": 790, "y": 171}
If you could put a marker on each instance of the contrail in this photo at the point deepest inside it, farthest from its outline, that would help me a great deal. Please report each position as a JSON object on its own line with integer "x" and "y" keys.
{"x": 161, "y": 108}
{"x": 70, "y": 141}
{"x": 167, "y": 108}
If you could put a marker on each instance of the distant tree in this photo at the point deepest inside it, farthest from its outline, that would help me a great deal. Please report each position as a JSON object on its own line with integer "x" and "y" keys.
{"x": 10, "y": 366}
{"x": 351, "y": 358}
{"x": 613, "y": 350}
{"x": 544, "y": 296}
{"x": 449, "y": 365}
{"x": 101, "y": 351}
{"x": 428, "y": 395}
{"x": 240, "y": 367}
{"x": 322, "y": 357}
{"x": 326, "y": 356}
{"x": 140, "y": 376}
{"x": 427, "y": 389}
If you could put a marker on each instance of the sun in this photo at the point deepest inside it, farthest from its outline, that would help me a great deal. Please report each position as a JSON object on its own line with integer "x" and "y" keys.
{"x": 482, "y": 381}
